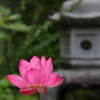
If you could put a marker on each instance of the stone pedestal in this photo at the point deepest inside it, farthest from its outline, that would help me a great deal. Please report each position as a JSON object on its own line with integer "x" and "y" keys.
{"x": 83, "y": 78}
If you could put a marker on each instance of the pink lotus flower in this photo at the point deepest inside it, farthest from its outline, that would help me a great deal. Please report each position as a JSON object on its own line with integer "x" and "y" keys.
{"x": 36, "y": 75}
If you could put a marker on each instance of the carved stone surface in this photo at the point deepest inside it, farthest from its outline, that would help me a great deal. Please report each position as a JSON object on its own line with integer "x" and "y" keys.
{"x": 73, "y": 50}
{"x": 82, "y": 77}
{"x": 65, "y": 44}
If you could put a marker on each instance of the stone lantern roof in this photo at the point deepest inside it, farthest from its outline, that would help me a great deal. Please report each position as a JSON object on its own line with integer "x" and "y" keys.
{"x": 87, "y": 11}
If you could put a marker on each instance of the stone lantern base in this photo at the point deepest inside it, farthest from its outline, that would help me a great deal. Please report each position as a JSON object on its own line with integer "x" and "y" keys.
{"x": 83, "y": 78}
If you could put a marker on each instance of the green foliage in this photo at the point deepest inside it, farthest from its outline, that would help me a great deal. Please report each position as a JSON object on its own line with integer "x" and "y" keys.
{"x": 10, "y": 26}
{"x": 5, "y": 91}
{"x": 24, "y": 34}
{"x": 73, "y": 6}
{"x": 10, "y": 21}
{"x": 9, "y": 92}
{"x": 23, "y": 41}
{"x": 40, "y": 10}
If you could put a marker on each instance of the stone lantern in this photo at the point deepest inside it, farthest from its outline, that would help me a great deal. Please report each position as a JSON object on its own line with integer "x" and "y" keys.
{"x": 79, "y": 44}
{"x": 80, "y": 35}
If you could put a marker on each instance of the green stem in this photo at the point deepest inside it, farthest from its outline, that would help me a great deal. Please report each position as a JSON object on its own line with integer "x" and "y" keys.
{"x": 38, "y": 96}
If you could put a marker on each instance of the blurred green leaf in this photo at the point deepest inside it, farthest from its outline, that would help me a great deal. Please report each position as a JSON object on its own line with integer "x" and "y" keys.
{"x": 14, "y": 17}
